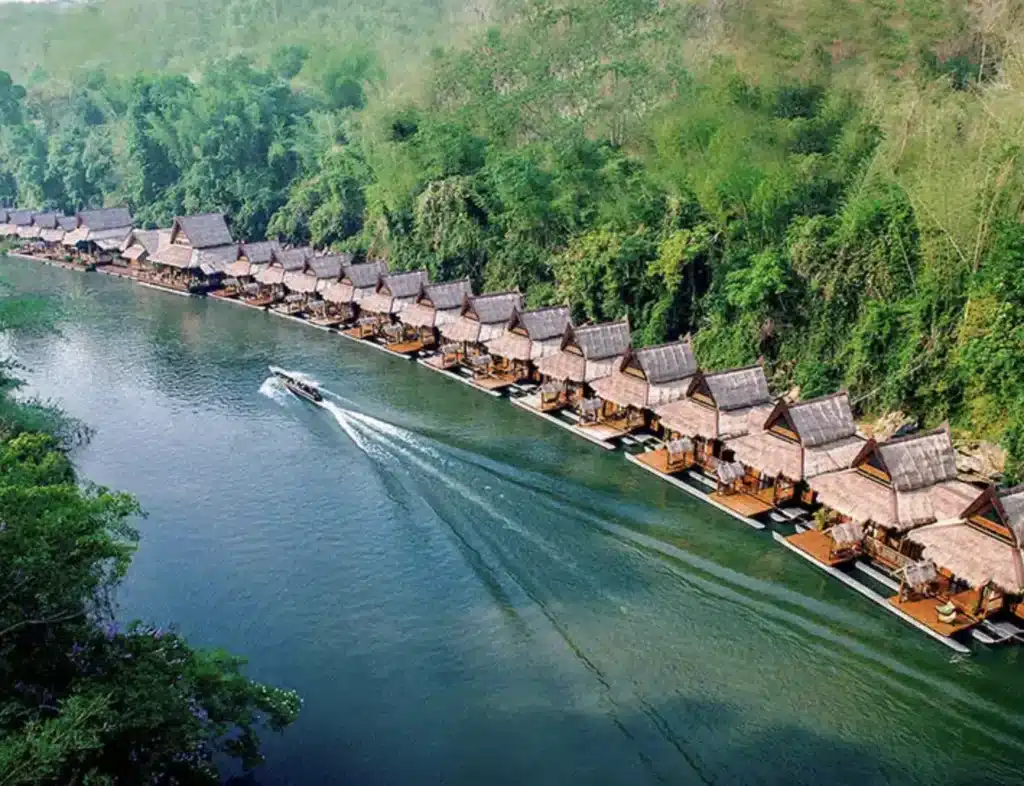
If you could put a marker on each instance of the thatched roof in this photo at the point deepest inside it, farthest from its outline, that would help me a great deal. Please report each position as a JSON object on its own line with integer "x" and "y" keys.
{"x": 270, "y": 276}
{"x": 493, "y": 308}
{"x": 290, "y": 259}
{"x": 67, "y": 223}
{"x": 1012, "y": 502}
{"x": 597, "y": 342}
{"x": 513, "y": 346}
{"x": 864, "y": 499}
{"x": 52, "y": 235}
{"x": 665, "y": 363}
{"x": 689, "y": 418}
{"x": 972, "y": 555}
{"x": 622, "y": 390}
{"x": 300, "y": 282}
{"x": 147, "y": 239}
{"x": 21, "y": 218}
{"x": 917, "y": 460}
{"x": 260, "y": 253}
{"x": 832, "y": 456}
{"x": 405, "y": 285}
{"x": 450, "y": 295}
{"x": 206, "y": 230}
{"x": 542, "y": 324}
{"x": 325, "y": 267}
{"x": 822, "y": 420}
{"x": 216, "y": 259}
{"x": 174, "y": 255}
{"x": 365, "y": 275}
{"x": 418, "y": 315}
{"x": 45, "y": 220}
{"x": 563, "y": 366}
{"x": 769, "y": 454}
{"x": 376, "y": 303}
{"x": 736, "y": 388}
{"x": 105, "y": 218}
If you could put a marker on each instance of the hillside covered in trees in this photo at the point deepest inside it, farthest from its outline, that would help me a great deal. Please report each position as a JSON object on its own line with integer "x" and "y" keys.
{"x": 832, "y": 186}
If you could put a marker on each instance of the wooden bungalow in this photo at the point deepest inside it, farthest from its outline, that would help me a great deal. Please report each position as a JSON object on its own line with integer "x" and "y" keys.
{"x": 272, "y": 289}
{"x": 481, "y": 319}
{"x": 358, "y": 282}
{"x": 979, "y": 555}
{"x": 98, "y": 236}
{"x": 798, "y": 442}
{"x": 717, "y": 407}
{"x": 893, "y": 487}
{"x": 19, "y": 222}
{"x": 138, "y": 248}
{"x": 528, "y": 337}
{"x": 585, "y": 354}
{"x": 197, "y": 253}
{"x": 48, "y": 231}
{"x": 29, "y": 230}
{"x": 303, "y": 287}
{"x": 240, "y": 276}
{"x": 395, "y": 292}
{"x": 645, "y": 378}
{"x": 434, "y": 306}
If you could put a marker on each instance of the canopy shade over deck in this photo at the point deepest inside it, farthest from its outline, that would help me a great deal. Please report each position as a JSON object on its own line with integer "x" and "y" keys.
{"x": 587, "y": 353}
{"x": 972, "y": 555}
{"x": 176, "y": 256}
{"x": 650, "y": 376}
{"x": 302, "y": 283}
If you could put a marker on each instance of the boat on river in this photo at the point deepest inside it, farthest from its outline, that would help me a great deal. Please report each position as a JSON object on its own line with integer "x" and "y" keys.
{"x": 307, "y": 390}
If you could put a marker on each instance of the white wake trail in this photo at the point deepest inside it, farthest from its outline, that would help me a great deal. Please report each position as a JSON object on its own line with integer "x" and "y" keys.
{"x": 274, "y": 390}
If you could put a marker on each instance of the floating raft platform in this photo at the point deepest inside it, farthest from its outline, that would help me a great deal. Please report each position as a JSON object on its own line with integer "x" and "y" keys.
{"x": 525, "y": 402}
{"x": 372, "y": 344}
{"x": 693, "y": 491}
{"x": 874, "y": 597}
{"x": 426, "y": 363}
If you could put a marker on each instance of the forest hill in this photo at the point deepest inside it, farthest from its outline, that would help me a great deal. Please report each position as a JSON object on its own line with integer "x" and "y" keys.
{"x": 950, "y": 549}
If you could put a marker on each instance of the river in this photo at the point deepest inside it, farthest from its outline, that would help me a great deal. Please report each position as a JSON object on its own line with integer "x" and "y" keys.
{"x": 465, "y": 594}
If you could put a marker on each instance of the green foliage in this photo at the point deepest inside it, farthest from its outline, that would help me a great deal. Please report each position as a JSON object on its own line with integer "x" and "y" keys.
{"x": 82, "y": 700}
{"x": 825, "y": 186}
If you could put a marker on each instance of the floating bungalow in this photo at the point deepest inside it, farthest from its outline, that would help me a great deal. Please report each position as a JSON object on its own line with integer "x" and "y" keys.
{"x": 528, "y": 337}
{"x": 978, "y": 557}
{"x": 98, "y": 236}
{"x": 891, "y": 488}
{"x": 139, "y": 248}
{"x": 358, "y": 282}
{"x": 798, "y": 441}
{"x": 304, "y": 287}
{"x": 395, "y": 292}
{"x": 644, "y": 379}
{"x": 271, "y": 279}
{"x": 198, "y": 252}
{"x": 240, "y": 277}
{"x": 18, "y": 223}
{"x": 481, "y": 319}
{"x": 47, "y": 229}
{"x": 585, "y": 354}
{"x": 28, "y": 231}
{"x": 435, "y": 305}
{"x": 717, "y": 407}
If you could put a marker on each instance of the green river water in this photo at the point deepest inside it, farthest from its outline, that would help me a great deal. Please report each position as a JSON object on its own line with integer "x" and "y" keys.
{"x": 465, "y": 594}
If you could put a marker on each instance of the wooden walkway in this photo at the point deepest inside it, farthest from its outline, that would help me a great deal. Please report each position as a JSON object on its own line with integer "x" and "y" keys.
{"x": 531, "y": 404}
{"x": 434, "y": 366}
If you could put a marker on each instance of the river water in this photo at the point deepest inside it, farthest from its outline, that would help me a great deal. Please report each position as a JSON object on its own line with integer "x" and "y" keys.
{"x": 464, "y": 594}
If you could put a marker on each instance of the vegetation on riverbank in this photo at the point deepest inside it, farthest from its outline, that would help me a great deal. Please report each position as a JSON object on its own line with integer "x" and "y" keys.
{"x": 833, "y": 187}
{"x": 83, "y": 699}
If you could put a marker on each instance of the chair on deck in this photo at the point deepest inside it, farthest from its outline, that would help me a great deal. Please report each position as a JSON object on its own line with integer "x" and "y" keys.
{"x": 480, "y": 364}
{"x": 590, "y": 410}
{"x": 677, "y": 451}
{"x": 551, "y": 394}
{"x": 846, "y": 540}
{"x": 450, "y": 355}
{"x": 393, "y": 334}
{"x": 365, "y": 326}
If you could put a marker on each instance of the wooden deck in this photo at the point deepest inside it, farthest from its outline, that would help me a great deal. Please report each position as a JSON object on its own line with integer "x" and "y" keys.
{"x": 601, "y": 431}
{"x": 744, "y": 504}
{"x": 818, "y": 545}
{"x": 493, "y": 383}
{"x": 531, "y": 403}
{"x": 405, "y": 347}
{"x": 326, "y": 322}
{"x": 923, "y": 611}
{"x": 658, "y": 461}
{"x": 258, "y": 302}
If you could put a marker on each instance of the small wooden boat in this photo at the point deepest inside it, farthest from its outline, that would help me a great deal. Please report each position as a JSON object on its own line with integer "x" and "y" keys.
{"x": 297, "y": 387}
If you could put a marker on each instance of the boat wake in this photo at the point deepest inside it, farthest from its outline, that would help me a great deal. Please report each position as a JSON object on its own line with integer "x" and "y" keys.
{"x": 274, "y": 390}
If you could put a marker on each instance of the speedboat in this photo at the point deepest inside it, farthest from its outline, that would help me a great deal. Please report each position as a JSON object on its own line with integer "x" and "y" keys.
{"x": 297, "y": 387}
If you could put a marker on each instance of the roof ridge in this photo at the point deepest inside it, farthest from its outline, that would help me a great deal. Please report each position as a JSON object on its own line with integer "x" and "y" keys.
{"x": 496, "y": 294}
{"x": 818, "y": 399}
{"x": 737, "y": 370}
{"x": 663, "y": 345}
{"x": 577, "y": 329}
{"x": 542, "y": 308}
{"x": 917, "y": 435}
